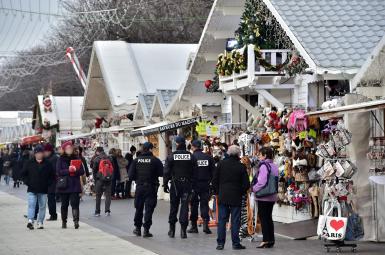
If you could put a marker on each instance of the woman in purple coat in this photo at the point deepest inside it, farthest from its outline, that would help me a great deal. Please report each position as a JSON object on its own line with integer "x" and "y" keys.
{"x": 266, "y": 203}
{"x": 70, "y": 194}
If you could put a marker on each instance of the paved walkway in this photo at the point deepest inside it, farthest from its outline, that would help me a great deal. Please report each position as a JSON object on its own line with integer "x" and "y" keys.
{"x": 16, "y": 239}
{"x": 113, "y": 235}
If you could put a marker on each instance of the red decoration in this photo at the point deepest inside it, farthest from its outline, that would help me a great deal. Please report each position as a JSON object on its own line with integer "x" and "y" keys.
{"x": 31, "y": 139}
{"x": 98, "y": 122}
{"x": 337, "y": 224}
{"x": 208, "y": 83}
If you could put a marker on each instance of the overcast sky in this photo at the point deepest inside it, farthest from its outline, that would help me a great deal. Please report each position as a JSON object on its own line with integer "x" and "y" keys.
{"x": 22, "y": 30}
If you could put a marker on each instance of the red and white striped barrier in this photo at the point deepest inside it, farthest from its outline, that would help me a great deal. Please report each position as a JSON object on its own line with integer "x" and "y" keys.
{"x": 71, "y": 55}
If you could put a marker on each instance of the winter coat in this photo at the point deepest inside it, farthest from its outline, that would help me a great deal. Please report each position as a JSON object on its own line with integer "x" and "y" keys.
{"x": 53, "y": 160}
{"x": 7, "y": 165}
{"x": 123, "y": 163}
{"x": 263, "y": 177}
{"x": 16, "y": 174}
{"x": 37, "y": 176}
{"x": 62, "y": 169}
{"x": 114, "y": 161}
{"x": 231, "y": 181}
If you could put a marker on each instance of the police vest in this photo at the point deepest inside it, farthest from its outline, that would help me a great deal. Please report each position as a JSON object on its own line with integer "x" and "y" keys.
{"x": 203, "y": 172}
{"x": 182, "y": 164}
{"x": 144, "y": 169}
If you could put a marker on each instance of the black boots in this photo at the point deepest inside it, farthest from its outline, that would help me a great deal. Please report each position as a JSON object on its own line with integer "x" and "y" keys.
{"x": 75, "y": 215}
{"x": 64, "y": 224}
{"x": 194, "y": 228}
{"x": 52, "y": 218}
{"x": 171, "y": 232}
{"x": 64, "y": 214}
{"x": 137, "y": 231}
{"x": 183, "y": 233}
{"x": 206, "y": 228}
{"x": 146, "y": 233}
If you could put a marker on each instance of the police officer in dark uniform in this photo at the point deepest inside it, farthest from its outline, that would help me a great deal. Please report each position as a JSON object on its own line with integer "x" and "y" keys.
{"x": 179, "y": 168}
{"x": 145, "y": 170}
{"x": 201, "y": 188}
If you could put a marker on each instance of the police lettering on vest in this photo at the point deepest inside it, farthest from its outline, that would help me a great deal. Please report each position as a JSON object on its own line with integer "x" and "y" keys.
{"x": 182, "y": 157}
{"x": 144, "y": 160}
{"x": 203, "y": 163}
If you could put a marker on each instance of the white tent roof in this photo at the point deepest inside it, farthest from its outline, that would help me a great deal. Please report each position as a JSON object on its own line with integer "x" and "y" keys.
{"x": 68, "y": 110}
{"x": 120, "y": 71}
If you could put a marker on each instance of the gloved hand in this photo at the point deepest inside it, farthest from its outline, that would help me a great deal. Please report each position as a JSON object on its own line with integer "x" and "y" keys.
{"x": 166, "y": 189}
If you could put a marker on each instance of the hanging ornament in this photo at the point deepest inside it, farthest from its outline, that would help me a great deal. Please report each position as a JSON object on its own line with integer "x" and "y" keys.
{"x": 47, "y": 103}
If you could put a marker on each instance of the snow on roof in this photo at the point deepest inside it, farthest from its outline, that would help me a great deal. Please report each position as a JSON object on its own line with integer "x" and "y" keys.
{"x": 120, "y": 71}
{"x": 336, "y": 34}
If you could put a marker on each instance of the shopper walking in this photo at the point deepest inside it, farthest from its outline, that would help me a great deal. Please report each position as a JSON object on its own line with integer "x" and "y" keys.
{"x": 130, "y": 158}
{"x": 38, "y": 175}
{"x": 69, "y": 169}
{"x": 179, "y": 168}
{"x": 115, "y": 175}
{"x": 266, "y": 203}
{"x": 230, "y": 183}
{"x": 52, "y": 158}
{"x": 7, "y": 166}
{"x": 145, "y": 170}
{"x": 102, "y": 170}
{"x": 123, "y": 169}
{"x": 201, "y": 188}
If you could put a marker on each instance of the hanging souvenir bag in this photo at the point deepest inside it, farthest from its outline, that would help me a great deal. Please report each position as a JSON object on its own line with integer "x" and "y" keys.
{"x": 339, "y": 170}
{"x": 322, "y": 152}
{"x": 313, "y": 175}
{"x": 329, "y": 169}
{"x": 345, "y": 136}
{"x": 330, "y": 227}
{"x": 355, "y": 226}
{"x": 349, "y": 169}
{"x": 337, "y": 140}
{"x": 330, "y": 148}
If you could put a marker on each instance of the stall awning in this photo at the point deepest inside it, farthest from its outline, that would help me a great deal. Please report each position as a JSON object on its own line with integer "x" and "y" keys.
{"x": 353, "y": 108}
{"x": 164, "y": 127}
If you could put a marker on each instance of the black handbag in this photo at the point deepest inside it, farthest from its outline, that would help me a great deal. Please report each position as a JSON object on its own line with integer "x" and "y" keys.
{"x": 62, "y": 182}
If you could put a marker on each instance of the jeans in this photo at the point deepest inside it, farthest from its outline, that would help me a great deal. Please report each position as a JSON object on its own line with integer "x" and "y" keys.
{"x": 101, "y": 187}
{"x": 223, "y": 217}
{"x": 34, "y": 198}
{"x": 265, "y": 213}
{"x": 7, "y": 179}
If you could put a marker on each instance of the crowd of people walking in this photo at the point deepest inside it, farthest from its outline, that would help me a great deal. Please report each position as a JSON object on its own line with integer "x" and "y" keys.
{"x": 190, "y": 176}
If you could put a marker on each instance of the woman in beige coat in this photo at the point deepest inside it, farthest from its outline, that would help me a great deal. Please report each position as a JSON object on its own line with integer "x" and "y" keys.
{"x": 123, "y": 163}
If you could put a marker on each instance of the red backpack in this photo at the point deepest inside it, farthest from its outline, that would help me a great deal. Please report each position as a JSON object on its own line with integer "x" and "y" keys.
{"x": 105, "y": 170}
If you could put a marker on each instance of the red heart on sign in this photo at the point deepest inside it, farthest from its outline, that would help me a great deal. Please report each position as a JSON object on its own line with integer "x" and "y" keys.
{"x": 337, "y": 224}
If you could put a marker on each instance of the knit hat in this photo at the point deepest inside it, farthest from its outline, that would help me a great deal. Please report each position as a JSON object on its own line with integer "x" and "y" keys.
{"x": 39, "y": 148}
{"x": 48, "y": 147}
{"x": 66, "y": 144}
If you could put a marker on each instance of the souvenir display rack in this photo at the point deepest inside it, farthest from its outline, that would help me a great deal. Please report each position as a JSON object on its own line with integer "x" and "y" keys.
{"x": 336, "y": 175}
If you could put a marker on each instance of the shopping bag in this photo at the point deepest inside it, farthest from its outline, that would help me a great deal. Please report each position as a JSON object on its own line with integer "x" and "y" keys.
{"x": 336, "y": 227}
{"x": 321, "y": 227}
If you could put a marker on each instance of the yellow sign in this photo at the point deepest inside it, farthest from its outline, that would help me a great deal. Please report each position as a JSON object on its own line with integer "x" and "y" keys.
{"x": 312, "y": 133}
{"x": 205, "y": 128}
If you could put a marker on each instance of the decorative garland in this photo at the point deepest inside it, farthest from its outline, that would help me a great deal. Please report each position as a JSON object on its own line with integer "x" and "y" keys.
{"x": 260, "y": 28}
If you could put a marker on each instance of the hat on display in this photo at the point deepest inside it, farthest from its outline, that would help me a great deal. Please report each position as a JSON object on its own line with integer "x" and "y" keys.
{"x": 48, "y": 147}
{"x": 196, "y": 144}
{"x": 180, "y": 140}
{"x": 66, "y": 144}
{"x": 39, "y": 148}
{"x": 148, "y": 146}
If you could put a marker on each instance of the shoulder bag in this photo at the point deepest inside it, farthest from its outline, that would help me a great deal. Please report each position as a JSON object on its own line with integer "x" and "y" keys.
{"x": 271, "y": 186}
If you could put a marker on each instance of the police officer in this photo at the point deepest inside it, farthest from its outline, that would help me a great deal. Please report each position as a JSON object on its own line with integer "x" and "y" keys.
{"x": 201, "y": 188}
{"x": 145, "y": 170}
{"x": 179, "y": 168}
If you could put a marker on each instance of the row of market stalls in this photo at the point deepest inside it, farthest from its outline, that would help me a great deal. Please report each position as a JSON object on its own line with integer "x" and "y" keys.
{"x": 268, "y": 72}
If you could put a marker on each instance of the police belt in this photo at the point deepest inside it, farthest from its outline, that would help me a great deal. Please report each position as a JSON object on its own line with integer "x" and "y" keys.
{"x": 181, "y": 179}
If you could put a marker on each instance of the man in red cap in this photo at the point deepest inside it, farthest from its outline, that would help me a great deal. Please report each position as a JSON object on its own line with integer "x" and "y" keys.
{"x": 51, "y": 157}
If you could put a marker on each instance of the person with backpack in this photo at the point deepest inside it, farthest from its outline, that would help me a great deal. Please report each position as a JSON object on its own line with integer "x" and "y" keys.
{"x": 102, "y": 170}
{"x": 266, "y": 201}
{"x": 68, "y": 170}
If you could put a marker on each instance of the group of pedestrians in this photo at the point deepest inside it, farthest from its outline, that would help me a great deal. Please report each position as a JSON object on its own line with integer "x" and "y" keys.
{"x": 191, "y": 177}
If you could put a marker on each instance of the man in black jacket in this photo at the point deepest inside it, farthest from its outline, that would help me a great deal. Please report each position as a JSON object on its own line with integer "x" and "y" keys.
{"x": 130, "y": 158}
{"x": 145, "y": 170}
{"x": 38, "y": 175}
{"x": 179, "y": 168}
{"x": 201, "y": 188}
{"x": 230, "y": 182}
{"x": 51, "y": 157}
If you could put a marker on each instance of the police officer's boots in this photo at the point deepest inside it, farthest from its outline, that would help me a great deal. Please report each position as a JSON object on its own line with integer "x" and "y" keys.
{"x": 146, "y": 233}
{"x": 194, "y": 228}
{"x": 171, "y": 232}
{"x": 183, "y": 232}
{"x": 137, "y": 231}
{"x": 206, "y": 228}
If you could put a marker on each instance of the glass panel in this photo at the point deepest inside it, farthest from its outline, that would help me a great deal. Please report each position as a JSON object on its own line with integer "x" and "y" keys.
{"x": 268, "y": 57}
{"x": 279, "y": 58}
